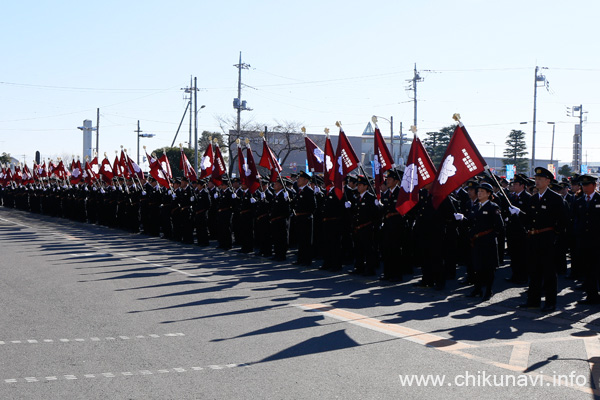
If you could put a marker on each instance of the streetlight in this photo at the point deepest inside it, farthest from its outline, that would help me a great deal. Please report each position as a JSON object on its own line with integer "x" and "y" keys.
{"x": 196, "y": 137}
{"x": 552, "y": 149}
{"x": 494, "y": 144}
{"x": 139, "y": 135}
{"x": 391, "y": 121}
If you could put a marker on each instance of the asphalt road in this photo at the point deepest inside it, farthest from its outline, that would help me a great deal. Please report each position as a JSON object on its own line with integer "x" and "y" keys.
{"x": 93, "y": 313}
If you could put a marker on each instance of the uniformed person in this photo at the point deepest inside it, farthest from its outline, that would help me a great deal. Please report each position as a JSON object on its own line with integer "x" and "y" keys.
{"x": 225, "y": 199}
{"x": 516, "y": 232}
{"x": 546, "y": 219}
{"x": 304, "y": 205}
{"x": 246, "y": 204}
{"x": 486, "y": 225}
{"x": 391, "y": 230}
{"x": 201, "y": 205}
{"x": 586, "y": 213}
{"x": 365, "y": 214}
{"x": 279, "y": 219}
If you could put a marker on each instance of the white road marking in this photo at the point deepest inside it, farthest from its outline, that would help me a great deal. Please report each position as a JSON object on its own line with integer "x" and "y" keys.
{"x": 145, "y": 372}
{"x": 93, "y": 339}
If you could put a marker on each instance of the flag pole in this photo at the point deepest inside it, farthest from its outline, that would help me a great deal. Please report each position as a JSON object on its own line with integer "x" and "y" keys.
{"x": 360, "y": 167}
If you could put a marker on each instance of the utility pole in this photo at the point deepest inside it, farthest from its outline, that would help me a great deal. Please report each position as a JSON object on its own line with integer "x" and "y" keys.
{"x": 538, "y": 78}
{"x": 195, "y": 127}
{"x": 413, "y": 86}
{"x": 138, "y": 131}
{"x": 97, "y": 131}
{"x": 238, "y": 104}
{"x": 577, "y": 137}
{"x": 188, "y": 90}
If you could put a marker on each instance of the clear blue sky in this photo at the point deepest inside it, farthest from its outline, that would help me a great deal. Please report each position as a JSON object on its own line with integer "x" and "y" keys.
{"x": 313, "y": 62}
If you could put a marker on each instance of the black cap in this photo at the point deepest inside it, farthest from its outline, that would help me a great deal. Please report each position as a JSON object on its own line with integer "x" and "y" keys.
{"x": 587, "y": 179}
{"x": 361, "y": 179}
{"x": 472, "y": 185}
{"x": 351, "y": 178}
{"x": 392, "y": 173}
{"x": 486, "y": 186}
{"x": 184, "y": 178}
{"x": 543, "y": 172}
{"x": 303, "y": 174}
{"x": 294, "y": 175}
{"x": 522, "y": 179}
{"x": 234, "y": 180}
{"x": 178, "y": 181}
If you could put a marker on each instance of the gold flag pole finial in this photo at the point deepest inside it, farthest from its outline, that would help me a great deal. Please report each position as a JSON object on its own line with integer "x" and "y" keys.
{"x": 216, "y": 141}
{"x": 326, "y": 130}
{"x": 374, "y": 119}
{"x": 413, "y": 129}
{"x": 456, "y": 117}
{"x": 261, "y": 134}
{"x": 247, "y": 141}
{"x": 303, "y": 129}
{"x": 338, "y": 124}
{"x": 237, "y": 141}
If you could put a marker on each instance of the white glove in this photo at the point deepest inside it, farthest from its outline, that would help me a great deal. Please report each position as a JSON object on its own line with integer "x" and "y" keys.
{"x": 101, "y": 190}
{"x": 64, "y": 186}
{"x": 94, "y": 188}
{"x": 377, "y": 203}
{"x": 26, "y": 189}
{"x": 143, "y": 192}
{"x": 233, "y": 196}
{"x": 317, "y": 190}
{"x": 44, "y": 189}
{"x": 347, "y": 204}
{"x": 174, "y": 196}
{"x": 192, "y": 198}
{"x": 514, "y": 210}
{"x": 252, "y": 200}
{"x": 459, "y": 216}
{"x": 286, "y": 195}
{"x": 216, "y": 195}
{"x": 262, "y": 195}
{"x": 169, "y": 191}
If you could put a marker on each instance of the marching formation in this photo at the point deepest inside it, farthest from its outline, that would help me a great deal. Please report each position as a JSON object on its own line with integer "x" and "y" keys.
{"x": 387, "y": 222}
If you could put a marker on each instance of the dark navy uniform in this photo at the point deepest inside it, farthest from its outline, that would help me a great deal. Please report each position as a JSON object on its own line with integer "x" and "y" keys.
{"x": 546, "y": 217}
{"x": 365, "y": 214}
{"x": 304, "y": 206}
{"x": 516, "y": 237}
{"x": 279, "y": 218}
{"x": 486, "y": 225}
{"x": 586, "y": 211}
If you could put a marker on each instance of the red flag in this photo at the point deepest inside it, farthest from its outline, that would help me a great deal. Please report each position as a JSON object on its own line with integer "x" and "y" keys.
{"x": 158, "y": 173}
{"x": 27, "y": 175}
{"x": 314, "y": 155}
{"x": 51, "y": 168}
{"x": 2, "y": 175}
{"x": 206, "y": 165}
{"x": 328, "y": 164}
{"x": 106, "y": 170}
{"x": 8, "y": 177}
{"x": 269, "y": 161}
{"x": 43, "y": 172}
{"x": 76, "y": 174}
{"x": 184, "y": 165}
{"x": 253, "y": 176}
{"x": 165, "y": 165}
{"x": 219, "y": 167}
{"x": 123, "y": 167}
{"x": 117, "y": 169}
{"x": 94, "y": 168}
{"x": 382, "y": 161}
{"x": 345, "y": 162}
{"x": 133, "y": 168}
{"x": 61, "y": 172}
{"x": 151, "y": 159}
{"x": 461, "y": 162}
{"x": 418, "y": 173}
{"x": 17, "y": 176}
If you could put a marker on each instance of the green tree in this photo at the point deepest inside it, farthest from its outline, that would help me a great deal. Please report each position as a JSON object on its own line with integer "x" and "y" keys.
{"x": 5, "y": 158}
{"x": 203, "y": 141}
{"x": 174, "y": 155}
{"x": 565, "y": 170}
{"x": 515, "y": 151}
{"x": 437, "y": 143}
